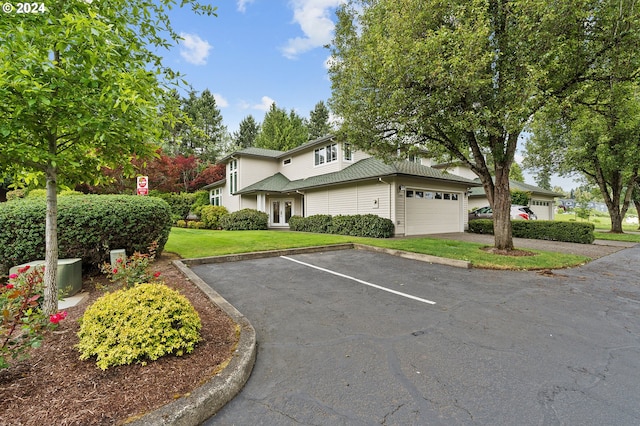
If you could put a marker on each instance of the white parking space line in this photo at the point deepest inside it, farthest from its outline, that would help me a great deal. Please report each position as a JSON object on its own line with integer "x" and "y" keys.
{"x": 408, "y": 296}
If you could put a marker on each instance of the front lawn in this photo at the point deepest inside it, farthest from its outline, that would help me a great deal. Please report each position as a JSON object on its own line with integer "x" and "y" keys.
{"x": 192, "y": 243}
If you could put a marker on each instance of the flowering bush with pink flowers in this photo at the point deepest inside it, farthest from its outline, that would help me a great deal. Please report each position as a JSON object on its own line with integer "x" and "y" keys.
{"x": 133, "y": 270}
{"x": 22, "y": 321}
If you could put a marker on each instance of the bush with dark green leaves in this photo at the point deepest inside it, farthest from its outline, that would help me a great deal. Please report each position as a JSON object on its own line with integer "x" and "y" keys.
{"x": 572, "y": 232}
{"x": 89, "y": 226}
{"x": 320, "y": 223}
{"x": 180, "y": 204}
{"x": 136, "y": 325}
{"x": 245, "y": 220}
{"x": 367, "y": 225}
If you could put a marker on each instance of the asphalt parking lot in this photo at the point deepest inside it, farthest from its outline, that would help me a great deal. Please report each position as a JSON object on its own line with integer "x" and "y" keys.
{"x": 359, "y": 338}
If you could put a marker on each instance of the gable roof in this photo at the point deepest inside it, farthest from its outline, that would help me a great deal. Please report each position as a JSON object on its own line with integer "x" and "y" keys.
{"x": 275, "y": 154}
{"x": 367, "y": 168}
{"x": 520, "y": 186}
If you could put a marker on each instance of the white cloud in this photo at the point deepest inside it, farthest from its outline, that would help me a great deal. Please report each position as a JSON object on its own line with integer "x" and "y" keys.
{"x": 242, "y": 5}
{"x": 264, "y": 105}
{"x": 317, "y": 26}
{"x": 221, "y": 102}
{"x": 193, "y": 49}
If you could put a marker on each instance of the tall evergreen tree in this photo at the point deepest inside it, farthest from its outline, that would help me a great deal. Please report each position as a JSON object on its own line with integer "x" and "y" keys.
{"x": 204, "y": 133}
{"x": 281, "y": 131}
{"x": 319, "y": 121}
{"x": 247, "y": 133}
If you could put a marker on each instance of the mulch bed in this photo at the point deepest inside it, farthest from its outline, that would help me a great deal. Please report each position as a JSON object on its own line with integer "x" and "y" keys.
{"x": 54, "y": 387}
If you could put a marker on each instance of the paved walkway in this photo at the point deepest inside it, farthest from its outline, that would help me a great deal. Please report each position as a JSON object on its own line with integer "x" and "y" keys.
{"x": 598, "y": 249}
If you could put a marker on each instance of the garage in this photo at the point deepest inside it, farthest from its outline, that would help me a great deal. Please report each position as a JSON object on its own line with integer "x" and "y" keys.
{"x": 432, "y": 212}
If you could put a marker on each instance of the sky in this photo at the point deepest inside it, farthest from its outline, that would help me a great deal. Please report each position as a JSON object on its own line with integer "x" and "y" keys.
{"x": 257, "y": 52}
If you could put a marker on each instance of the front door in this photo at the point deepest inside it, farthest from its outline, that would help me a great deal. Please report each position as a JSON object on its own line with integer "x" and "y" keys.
{"x": 281, "y": 211}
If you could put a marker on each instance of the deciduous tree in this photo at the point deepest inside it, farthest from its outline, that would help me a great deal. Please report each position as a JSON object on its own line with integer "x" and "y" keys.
{"x": 81, "y": 85}
{"x": 465, "y": 76}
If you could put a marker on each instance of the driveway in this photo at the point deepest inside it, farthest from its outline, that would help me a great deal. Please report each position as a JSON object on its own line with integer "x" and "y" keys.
{"x": 598, "y": 249}
{"x": 353, "y": 338}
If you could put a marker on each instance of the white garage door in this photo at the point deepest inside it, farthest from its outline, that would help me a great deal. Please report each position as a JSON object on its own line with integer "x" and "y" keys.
{"x": 432, "y": 212}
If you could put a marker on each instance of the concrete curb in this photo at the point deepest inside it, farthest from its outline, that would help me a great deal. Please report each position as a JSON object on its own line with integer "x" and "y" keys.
{"x": 316, "y": 249}
{"x": 206, "y": 400}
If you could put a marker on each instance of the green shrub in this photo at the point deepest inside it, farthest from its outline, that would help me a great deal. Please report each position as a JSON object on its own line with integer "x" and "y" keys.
{"x": 181, "y": 223}
{"x": 245, "y": 220}
{"x": 15, "y": 194}
{"x": 195, "y": 224}
{"x": 35, "y": 193}
{"x": 180, "y": 204}
{"x": 89, "y": 226}
{"x": 368, "y": 225}
{"x": 200, "y": 200}
{"x": 211, "y": 216}
{"x": 572, "y": 232}
{"x": 319, "y": 223}
{"x": 137, "y": 325}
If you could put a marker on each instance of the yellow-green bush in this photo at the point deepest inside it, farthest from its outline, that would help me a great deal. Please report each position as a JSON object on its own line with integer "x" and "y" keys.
{"x": 138, "y": 324}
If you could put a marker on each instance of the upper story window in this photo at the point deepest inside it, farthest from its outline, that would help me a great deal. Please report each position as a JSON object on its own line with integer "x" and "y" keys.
{"x": 233, "y": 176}
{"x": 216, "y": 197}
{"x": 412, "y": 158}
{"x": 347, "y": 154}
{"x": 326, "y": 154}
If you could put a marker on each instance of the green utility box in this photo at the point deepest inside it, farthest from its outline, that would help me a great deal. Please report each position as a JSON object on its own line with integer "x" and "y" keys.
{"x": 69, "y": 274}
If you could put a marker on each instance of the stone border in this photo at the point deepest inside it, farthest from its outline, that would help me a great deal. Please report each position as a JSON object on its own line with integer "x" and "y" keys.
{"x": 206, "y": 400}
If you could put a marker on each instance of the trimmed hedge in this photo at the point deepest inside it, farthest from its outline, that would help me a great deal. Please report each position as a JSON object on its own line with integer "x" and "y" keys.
{"x": 319, "y": 223}
{"x": 367, "y": 225}
{"x": 244, "y": 220}
{"x": 89, "y": 226}
{"x": 572, "y": 232}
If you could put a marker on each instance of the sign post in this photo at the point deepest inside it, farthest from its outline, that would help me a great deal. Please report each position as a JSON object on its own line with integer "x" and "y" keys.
{"x": 142, "y": 185}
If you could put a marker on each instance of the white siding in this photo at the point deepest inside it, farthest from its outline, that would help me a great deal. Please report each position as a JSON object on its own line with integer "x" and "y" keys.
{"x": 252, "y": 170}
{"x": 358, "y": 198}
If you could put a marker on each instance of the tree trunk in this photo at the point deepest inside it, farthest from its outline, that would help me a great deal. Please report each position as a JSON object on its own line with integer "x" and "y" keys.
{"x": 637, "y": 204}
{"x": 502, "y": 211}
{"x": 51, "y": 244}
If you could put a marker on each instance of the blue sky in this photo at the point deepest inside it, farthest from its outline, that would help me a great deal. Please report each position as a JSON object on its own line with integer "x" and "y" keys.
{"x": 256, "y": 52}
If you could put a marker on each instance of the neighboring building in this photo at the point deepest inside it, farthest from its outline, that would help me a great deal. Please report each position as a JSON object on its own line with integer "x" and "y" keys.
{"x": 325, "y": 176}
{"x": 542, "y": 200}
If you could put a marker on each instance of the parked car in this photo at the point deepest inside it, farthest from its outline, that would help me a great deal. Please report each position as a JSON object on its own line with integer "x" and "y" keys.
{"x": 517, "y": 213}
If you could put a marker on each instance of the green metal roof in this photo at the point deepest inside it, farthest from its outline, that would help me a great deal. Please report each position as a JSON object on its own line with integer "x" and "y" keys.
{"x": 521, "y": 186}
{"x": 367, "y": 168}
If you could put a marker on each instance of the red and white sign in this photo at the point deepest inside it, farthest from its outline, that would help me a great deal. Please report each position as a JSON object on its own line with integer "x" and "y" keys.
{"x": 143, "y": 185}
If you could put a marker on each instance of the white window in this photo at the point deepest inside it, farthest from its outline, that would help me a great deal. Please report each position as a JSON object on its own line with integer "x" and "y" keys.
{"x": 286, "y": 161}
{"x": 326, "y": 154}
{"x": 233, "y": 176}
{"x": 346, "y": 152}
{"x": 216, "y": 197}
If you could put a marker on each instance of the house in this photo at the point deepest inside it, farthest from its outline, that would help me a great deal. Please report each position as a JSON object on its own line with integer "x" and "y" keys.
{"x": 327, "y": 176}
{"x": 542, "y": 200}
